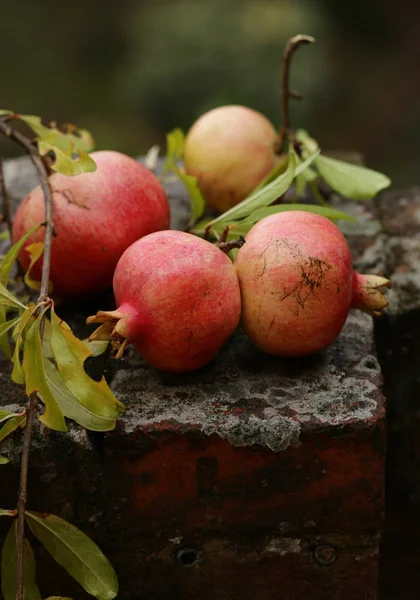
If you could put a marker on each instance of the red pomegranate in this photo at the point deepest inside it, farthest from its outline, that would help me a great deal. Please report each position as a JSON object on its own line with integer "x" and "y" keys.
{"x": 96, "y": 217}
{"x": 298, "y": 284}
{"x": 178, "y": 301}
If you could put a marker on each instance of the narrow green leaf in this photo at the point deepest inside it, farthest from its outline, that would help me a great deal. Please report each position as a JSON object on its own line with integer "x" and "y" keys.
{"x": 198, "y": 203}
{"x": 80, "y": 139}
{"x": 7, "y": 262}
{"x": 267, "y": 195}
{"x": 18, "y": 375}
{"x": 77, "y": 553}
{"x": 6, "y": 112}
{"x": 5, "y": 415}
{"x": 65, "y": 164}
{"x": 4, "y": 328}
{"x": 3, "y": 461}
{"x": 4, "y": 235}
{"x": 70, "y": 354}
{"x": 7, "y": 513}
{"x": 70, "y": 406}
{"x": 278, "y": 170}
{"x": 4, "y": 340}
{"x": 325, "y": 211}
{"x": 9, "y": 568}
{"x": 33, "y": 366}
{"x": 352, "y": 181}
{"x": 7, "y": 298}
{"x": 11, "y": 425}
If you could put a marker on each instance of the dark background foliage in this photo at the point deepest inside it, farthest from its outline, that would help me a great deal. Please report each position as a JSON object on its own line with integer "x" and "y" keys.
{"x": 131, "y": 70}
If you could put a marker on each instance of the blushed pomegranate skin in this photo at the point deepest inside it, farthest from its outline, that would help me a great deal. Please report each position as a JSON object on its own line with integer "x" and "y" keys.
{"x": 178, "y": 300}
{"x": 230, "y": 150}
{"x": 298, "y": 284}
{"x": 96, "y": 217}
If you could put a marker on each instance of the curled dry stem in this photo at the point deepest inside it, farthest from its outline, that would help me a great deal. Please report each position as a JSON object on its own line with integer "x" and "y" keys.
{"x": 286, "y": 132}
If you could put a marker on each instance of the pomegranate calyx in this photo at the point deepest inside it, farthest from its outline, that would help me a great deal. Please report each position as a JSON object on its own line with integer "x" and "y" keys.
{"x": 113, "y": 327}
{"x": 367, "y": 295}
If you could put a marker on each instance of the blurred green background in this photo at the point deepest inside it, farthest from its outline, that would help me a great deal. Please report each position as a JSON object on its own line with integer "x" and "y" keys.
{"x": 131, "y": 70}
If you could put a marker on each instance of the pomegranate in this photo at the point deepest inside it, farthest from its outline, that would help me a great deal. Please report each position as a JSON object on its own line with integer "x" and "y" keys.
{"x": 96, "y": 217}
{"x": 230, "y": 150}
{"x": 178, "y": 301}
{"x": 298, "y": 284}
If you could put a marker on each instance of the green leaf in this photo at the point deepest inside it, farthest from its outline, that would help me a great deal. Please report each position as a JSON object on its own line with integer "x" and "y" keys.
{"x": 18, "y": 375}
{"x": 265, "y": 196}
{"x": 352, "y": 181}
{"x": 7, "y": 299}
{"x": 58, "y": 598}
{"x": 81, "y": 139}
{"x": 33, "y": 366}
{"x": 174, "y": 148}
{"x": 3, "y": 461}
{"x": 4, "y": 340}
{"x": 5, "y": 415}
{"x": 7, "y": 262}
{"x": 325, "y": 211}
{"x": 4, "y": 235}
{"x": 198, "y": 203}
{"x": 9, "y": 568}
{"x": 278, "y": 170}
{"x": 4, "y": 328}
{"x": 7, "y": 513}
{"x": 65, "y": 164}
{"x": 78, "y": 554}
{"x": 11, "y": 425}
{"x": 6, "y": 112}
{"x": 70, "y": 405}
{"x": 70, "y": 354}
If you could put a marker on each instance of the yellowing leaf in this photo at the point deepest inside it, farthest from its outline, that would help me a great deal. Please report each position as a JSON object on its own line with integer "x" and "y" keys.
{"x": 76, "y": 553}
{"x": 9, "y": 568}
{"x": 11, "y": 425}
{"x": 352, "y": 181}
{"x": 7, "y": 262}
{"x": 18, "y": 375}
{"x": 6, "y": 112}
{"x": 35, "y": 251}
{"x": 70, "y": 405}
{"x": 174, "y": 147}
{"x": 70, "y": 354}
{"x": 81, "y": 139}
{"x": 65, "y": 164}
{"x": 33, "y": 367}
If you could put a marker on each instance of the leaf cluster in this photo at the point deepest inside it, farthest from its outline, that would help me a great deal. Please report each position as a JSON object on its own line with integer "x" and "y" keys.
{"x": 308, "y": 168}
{"x": 66, "y": 147}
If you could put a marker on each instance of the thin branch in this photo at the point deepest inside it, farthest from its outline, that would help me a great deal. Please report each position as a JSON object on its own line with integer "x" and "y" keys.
{"x": 228, "y": 246}
{"x": 7, "y": 214}
{"x": 43, "y": 168}
{"x": 30, "y": 414}
{"x": 286, "y": 131}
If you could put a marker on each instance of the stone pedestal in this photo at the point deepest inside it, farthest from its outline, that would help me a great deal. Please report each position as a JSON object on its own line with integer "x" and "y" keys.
{"x": 253, "y": 478}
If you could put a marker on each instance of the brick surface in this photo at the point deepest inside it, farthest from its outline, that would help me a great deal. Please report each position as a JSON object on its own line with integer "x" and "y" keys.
{"x": 255, "y": 477}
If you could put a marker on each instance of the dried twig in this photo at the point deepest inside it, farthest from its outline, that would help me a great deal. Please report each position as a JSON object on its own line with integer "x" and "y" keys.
{"x": 7, "y": 216}
{"x": 286, "y": 131}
